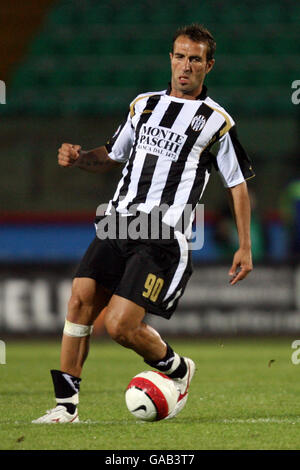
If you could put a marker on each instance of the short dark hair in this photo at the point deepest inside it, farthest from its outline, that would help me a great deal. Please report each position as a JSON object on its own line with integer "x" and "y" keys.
{"x": 197, "y": 33}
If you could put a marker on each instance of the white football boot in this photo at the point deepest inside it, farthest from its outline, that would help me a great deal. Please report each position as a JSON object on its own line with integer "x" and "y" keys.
{"x": 59, "y": 414}
{"x": 182, "y": 386}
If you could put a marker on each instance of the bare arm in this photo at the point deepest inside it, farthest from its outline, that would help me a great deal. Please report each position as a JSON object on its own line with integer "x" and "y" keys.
{"x": 240, "y": 204}
{"x": 95, "y": 160}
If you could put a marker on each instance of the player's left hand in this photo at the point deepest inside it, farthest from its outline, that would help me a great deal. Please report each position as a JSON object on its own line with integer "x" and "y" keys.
{"x": 241, "y": 265}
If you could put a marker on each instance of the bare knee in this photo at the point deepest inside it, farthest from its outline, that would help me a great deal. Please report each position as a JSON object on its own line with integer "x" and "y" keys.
{"x": 117, "y": 330}
{"x": 77, "y": 307}
{"x": 75, "y": 304}
{"x": 85, "y": 303}
{"x": 123, "y": 320}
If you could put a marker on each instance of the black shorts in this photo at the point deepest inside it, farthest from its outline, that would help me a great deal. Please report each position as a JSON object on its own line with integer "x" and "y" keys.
{"x": 151, "y": 273}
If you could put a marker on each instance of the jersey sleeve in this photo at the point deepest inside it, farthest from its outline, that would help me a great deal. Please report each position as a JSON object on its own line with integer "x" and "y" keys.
{"x": 120, "y": 144}
{"x": 232, "y": 161}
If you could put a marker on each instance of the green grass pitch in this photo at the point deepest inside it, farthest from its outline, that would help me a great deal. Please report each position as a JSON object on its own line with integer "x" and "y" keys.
{"x": 245, "y": 395}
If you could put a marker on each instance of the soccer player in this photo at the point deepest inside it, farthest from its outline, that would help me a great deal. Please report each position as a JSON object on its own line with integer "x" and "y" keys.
{"x": 165, "y": 145}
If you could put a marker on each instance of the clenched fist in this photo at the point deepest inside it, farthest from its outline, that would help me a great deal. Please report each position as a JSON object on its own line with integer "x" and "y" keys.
{"x": 68, "y": 154}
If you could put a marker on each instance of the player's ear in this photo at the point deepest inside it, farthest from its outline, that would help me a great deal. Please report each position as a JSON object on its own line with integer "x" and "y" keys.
{"x": 171, "y": 56}
{"x": 209, "y": 65}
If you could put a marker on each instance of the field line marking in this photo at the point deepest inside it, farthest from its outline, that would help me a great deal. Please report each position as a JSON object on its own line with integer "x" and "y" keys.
{"x": 261, "y": 420}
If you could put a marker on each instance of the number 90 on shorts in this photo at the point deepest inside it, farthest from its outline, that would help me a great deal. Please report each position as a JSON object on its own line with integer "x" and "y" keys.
{"x": 153, "y": 285}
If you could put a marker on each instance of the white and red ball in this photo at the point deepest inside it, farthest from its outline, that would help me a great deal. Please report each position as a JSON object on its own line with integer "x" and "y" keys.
{"x": 151, "y": 396}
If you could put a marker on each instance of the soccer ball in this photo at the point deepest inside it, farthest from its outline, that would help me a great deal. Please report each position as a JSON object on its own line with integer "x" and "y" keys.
{"x": 151, "y": 396}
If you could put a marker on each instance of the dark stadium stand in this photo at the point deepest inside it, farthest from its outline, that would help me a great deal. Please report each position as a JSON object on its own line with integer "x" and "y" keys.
{"x": 84, "y": 48}
{"x": 72, "y": 67}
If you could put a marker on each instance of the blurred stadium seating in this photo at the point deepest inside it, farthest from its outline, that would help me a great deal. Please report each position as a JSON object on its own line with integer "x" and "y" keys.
{"x": 71, "y": 68}
{"x": 82, "y": 47}
{"x": 87, "y": 60}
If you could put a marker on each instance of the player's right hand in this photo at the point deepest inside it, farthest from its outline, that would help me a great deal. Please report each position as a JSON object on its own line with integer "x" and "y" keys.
{"x": 68, "y": 154}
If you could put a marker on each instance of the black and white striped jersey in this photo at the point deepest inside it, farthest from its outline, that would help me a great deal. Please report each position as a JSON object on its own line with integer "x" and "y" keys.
{"x": 166, "y": 144}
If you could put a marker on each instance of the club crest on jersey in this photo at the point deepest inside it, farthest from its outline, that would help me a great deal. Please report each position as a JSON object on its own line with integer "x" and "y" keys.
{"x": 198, "y": 122}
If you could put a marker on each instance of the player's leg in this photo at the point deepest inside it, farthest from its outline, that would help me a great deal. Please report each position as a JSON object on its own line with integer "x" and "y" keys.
{"x": 124, "y": 323}
{"x": 154, "y": 278}
{"x": 86, "y": 302}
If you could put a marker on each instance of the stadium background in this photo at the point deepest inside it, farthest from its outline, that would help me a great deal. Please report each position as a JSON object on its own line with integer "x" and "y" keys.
{"x": 71, "y": 68}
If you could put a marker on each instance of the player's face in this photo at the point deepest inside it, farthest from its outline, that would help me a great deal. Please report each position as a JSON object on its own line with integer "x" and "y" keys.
{"x": 189, "y": 67}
